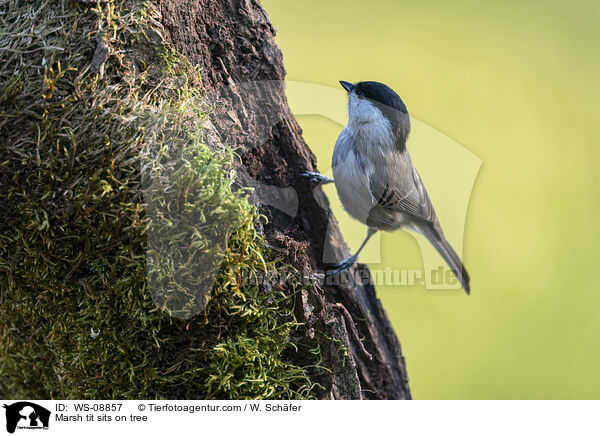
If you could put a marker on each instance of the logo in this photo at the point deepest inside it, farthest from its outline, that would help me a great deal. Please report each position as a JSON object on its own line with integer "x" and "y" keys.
{"x": 26, "y": 415}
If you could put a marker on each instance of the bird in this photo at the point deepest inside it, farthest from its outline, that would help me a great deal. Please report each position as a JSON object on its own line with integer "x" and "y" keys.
{"x": 375, "y": 178}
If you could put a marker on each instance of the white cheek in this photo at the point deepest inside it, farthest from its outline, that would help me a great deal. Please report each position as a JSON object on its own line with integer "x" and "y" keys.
{"x": 368, "y": 126}
{"x": 362, "y": 111}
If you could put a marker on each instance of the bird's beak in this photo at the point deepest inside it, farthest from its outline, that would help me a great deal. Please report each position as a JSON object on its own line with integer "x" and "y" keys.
{"x": 347, "y": 85}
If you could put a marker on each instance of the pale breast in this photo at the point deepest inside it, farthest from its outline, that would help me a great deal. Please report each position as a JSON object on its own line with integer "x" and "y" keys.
{"x": 351, "y": 176}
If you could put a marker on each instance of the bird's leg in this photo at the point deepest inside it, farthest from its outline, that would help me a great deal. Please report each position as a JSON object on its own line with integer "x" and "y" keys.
{"x": 349, "y": 261}
{"x": 316, "y": 178}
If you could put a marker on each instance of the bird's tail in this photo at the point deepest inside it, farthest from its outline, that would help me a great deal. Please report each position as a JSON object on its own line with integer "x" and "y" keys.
{"x": 440, "y": 243}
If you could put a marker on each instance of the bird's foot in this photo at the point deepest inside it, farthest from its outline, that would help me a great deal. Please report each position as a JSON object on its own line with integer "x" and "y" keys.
{"x": 343, "y": 265}
{"x": 317, "y": 178}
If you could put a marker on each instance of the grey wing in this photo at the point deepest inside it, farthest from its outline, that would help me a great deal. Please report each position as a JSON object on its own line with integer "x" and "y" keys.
{"x": 398, "y": 190}
{"x": 402, "y": 200}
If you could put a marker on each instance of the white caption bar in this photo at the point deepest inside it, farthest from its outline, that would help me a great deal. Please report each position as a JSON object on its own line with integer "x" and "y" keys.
{"x": 24, "y": 417}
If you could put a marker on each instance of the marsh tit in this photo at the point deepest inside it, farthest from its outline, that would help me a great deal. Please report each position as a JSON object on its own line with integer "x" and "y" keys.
{"x": 374, "y": 175}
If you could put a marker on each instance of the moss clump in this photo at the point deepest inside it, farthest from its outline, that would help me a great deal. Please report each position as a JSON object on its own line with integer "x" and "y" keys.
{"x": 104, "y": 175}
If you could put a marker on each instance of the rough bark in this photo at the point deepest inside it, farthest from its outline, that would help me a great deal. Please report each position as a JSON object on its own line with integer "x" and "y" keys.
{"x": 242, "y": 69}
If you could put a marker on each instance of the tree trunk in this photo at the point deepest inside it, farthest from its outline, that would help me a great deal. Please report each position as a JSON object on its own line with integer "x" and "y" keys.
{"x": 242, "y": 71}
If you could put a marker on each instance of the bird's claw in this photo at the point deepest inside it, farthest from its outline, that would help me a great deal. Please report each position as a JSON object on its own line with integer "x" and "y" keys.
{"x": 316, "y": 178}
{"x": 343, "y": 265}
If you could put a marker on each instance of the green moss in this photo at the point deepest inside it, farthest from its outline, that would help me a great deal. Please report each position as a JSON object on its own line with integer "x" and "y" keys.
{"x": 96, "y": 165}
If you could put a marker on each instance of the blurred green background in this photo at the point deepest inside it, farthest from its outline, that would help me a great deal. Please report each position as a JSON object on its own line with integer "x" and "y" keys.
{"x": 516, "y": 84}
